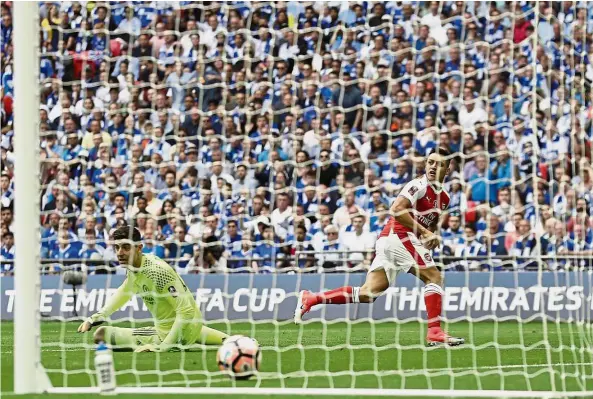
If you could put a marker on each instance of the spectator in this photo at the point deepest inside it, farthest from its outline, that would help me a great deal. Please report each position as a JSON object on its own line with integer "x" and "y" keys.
{"x": 327, "y": 170}
{"x": 452, "y": 234}
{"x": 280, "y": 217}
{"x": 379, "y": 219}
{"x": 242, "y": 181}
{"x": 480, "y": 188}
{"x": 152, "y": 244}
{"x": 90, "y": 249}
{"x": 357, "y": 241}
{"x": 397, "y": 178}
{"x": 493, "y": 241}
{"x": 180, "y": 249}
{"x": 580, "y": 247}
{"x": 130, "y": 24}
{"x": 7, "y": 253}
{"x": 501, "y": 171}
{"x": 458, "y": 198}
{"x": 304, "y": 261}
{"x": 504, "y": 210}
{"x": 65, "y": 249}
{"x": 512, "y": 229}
{"x": 525, "y": 246}
{"x": 95, "y": 135}
{"x": 469, "y": 245}
{"x": 232, "y": 239}
{"x": 557, "y": 245}
{"x": 348, "y": 98}
{"x": 342, "y": 216}
{"x": 7, "y": 215}
{"x": 244, "y": 255}
{"x": 266, "y": 255}
{"x": 332, "y": 248}
{"x": 6, "y": 190}
{"x": 522, "y": 27}
{"x": 471, "y": 113}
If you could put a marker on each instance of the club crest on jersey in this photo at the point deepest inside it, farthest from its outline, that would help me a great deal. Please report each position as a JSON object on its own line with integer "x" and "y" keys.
{"x": 427, "y": 257}
{"x": 173, "y": 292}
{"x": 146, "y": 297}
{"x": 413, "y": 190}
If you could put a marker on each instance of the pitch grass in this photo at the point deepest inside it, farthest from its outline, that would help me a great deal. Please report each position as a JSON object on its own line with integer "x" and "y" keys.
{"x": 497, "y": 355}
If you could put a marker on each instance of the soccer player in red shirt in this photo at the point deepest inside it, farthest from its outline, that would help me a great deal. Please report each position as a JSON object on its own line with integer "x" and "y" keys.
{"x": 404, "y": 245}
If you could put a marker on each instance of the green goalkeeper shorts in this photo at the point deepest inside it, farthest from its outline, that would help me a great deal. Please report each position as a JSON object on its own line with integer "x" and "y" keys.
{"x": 131, "y": 338}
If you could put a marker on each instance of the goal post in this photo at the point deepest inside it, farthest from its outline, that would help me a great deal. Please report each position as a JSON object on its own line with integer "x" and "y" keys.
{"x": 27, "y": 343}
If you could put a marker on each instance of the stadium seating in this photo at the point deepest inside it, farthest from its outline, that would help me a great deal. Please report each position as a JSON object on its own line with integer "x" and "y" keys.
{"x": 205, "y": 123}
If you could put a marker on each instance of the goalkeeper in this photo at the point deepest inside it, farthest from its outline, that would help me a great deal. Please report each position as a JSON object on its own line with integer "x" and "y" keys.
{"x": 178, "y": 320}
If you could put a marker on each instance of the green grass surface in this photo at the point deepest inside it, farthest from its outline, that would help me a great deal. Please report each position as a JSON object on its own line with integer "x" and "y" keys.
{"x": 504, "y": 355}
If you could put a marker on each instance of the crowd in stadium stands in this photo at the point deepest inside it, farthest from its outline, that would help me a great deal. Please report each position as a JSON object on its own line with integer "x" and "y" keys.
{"x": 238, "y": 135}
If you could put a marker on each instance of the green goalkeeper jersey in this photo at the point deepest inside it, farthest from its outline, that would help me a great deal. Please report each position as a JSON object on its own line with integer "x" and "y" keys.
{"x": 176, "y": 315}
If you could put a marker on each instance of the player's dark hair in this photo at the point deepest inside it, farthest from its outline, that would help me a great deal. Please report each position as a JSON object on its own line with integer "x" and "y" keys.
{"x": 445, "y": 153}
{"x": 126, "y": 233}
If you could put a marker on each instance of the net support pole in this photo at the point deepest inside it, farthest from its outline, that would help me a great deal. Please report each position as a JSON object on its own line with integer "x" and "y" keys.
{"x": 29, "y": 376}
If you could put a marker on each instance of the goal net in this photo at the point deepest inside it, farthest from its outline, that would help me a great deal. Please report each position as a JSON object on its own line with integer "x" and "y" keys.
{"x": 258, "y": 147}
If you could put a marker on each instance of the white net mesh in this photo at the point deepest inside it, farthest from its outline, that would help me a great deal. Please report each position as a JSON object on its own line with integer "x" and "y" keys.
{"x": 258, "y": 146}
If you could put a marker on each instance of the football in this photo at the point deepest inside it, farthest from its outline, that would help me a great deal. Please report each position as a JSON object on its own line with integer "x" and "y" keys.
{"x": 239, "y": 356}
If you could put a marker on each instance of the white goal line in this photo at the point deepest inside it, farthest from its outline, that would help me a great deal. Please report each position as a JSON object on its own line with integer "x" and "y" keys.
{"x": 361, "y": 392}
{"x": 261, "y": 376}
{"x": 303, "y": 374}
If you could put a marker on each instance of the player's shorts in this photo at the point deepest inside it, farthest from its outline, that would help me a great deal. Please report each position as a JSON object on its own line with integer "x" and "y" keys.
{"x": 130, "y": 338}
{"x": 399, "y": 252}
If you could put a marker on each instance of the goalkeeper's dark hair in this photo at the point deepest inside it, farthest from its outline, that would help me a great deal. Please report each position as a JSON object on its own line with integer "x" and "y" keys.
{"x": 127, "y": 232}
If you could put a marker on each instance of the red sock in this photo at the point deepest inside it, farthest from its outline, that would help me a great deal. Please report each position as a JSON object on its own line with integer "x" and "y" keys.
{"x": 433, "y": 298}
{"x": 337, "y": 296}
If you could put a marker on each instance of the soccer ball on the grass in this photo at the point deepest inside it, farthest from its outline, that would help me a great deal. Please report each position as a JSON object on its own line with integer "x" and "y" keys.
{"x": 239, "y": 356}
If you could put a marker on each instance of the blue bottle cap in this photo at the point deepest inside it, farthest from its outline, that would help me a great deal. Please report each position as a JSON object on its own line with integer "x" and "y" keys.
{"x": 102, "y": 346}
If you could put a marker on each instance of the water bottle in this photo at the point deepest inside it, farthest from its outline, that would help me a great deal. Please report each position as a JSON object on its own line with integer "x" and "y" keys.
{"x": 105, "y": 370}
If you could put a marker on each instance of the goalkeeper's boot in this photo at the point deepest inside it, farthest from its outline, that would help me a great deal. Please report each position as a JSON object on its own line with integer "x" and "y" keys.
{"x": 436, "y": 337}
{"x": 306, "y": 301}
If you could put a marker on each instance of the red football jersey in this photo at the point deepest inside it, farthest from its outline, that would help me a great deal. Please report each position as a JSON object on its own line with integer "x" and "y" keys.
{"x": 427, "y": 205}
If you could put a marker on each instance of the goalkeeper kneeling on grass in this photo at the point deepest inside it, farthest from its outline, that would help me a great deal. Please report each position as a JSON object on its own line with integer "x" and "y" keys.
{"x": 178, "y": 320}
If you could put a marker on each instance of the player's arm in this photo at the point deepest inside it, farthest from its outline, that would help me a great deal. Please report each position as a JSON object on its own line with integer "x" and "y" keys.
{"x": 438, "y": 223}
{"x": 400, "y": 211}
{"x": 119, "y": 299}
{"x": 435, "y": 225}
